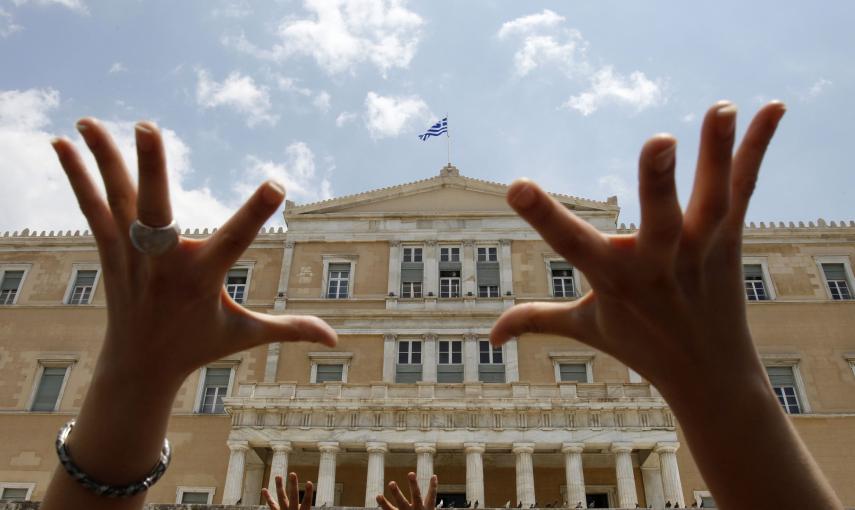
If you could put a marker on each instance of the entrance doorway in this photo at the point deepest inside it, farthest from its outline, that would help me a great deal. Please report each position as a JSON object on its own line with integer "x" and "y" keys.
{"x": 451, "y": 499}
{"x": 598, "y": 500}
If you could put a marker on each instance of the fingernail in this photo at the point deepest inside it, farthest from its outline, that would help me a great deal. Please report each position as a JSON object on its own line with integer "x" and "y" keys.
{"x": 725, "y": 118}
{"x": 55, "y": 141}
{"x": 273, "y": 192}
{"x": 81, "y": 127}
{"x": 664, "y": 161}
{"x": 144, "y": 137}
{"x": 523, "y": 196}
{"x": 782, "y": 110}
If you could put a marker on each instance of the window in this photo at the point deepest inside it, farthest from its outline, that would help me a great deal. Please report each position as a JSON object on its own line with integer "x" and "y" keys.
{"x": 215, "y": 386}
{"x": 83, "y": 287}
{"x": 491, "y": 367}
{"x": 329, "y": 366}
{"x": 488, "y": 254}
{"x": 412, "y": 254}
{"x": 10, "y": 284}
{"x": 16, "y": 491}
{"x": 837, "y": 280}
{"x": 573, "y": 372}
{"x": 50, "y": 387}
{"x": 338, "y": 280}
{"x": 449, "y": 284}
{"x": 412, "y": 272}
{"x": 195, "y": 495}
{"x": 783, "y": 381}
{"x": 409, "y": 366}
{"x": 450, "y": 362}
{"x": 236, "y": 283}
{"x": 329, "y": 372}
{"x": 563, "y": 282}
{"x": 755, "y": 285}
{"x": 449, "y": 254}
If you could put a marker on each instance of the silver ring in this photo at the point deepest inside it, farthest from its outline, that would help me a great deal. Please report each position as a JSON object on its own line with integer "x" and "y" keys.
{"x": 154, "y": 240}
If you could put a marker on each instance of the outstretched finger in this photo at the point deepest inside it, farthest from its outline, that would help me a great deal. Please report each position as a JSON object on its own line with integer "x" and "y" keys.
{"x": 271, "y": 503}
{"x": 307, "y": 496}
{"x": 153, "y": 208}
{"x": 749, "y": 156}
{"x": 661, "y": 217}
{"x": 91, "y": 203}
{"x": 710, "y": 199}
{"x": 415, "y": 492}
{"x": 230, "y": 241}
{"x": 253, "y": 328}
{"x": 398, "y": 496}
{"x": 576, "y": 240}
{"x": 430, "y": 497}
{"x": 121, "y": 191}
{"x": 384, "y": 503}
{"x": 293, "y": 498}
{"x": 573, "y": 319}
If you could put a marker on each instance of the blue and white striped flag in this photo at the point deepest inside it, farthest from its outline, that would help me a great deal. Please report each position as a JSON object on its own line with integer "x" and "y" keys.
{"x": 436, "y": 130}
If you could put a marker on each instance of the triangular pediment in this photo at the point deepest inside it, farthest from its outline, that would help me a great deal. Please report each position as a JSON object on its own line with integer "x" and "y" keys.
{"x": 446, "y": 193}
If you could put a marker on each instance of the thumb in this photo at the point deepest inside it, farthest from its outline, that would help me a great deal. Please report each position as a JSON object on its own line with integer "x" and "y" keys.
{"x": 262, "y": 328}
{"x": 572, "y": 319}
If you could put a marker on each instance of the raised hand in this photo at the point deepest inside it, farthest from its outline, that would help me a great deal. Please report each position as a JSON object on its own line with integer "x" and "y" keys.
{"x": 416, "y": 502}
{"x": 291, "y": 501}
{"x": 169, "y": 314}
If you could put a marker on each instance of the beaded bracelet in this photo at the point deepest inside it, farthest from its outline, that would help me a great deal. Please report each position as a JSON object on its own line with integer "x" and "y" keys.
{"x": 102, "y": 489}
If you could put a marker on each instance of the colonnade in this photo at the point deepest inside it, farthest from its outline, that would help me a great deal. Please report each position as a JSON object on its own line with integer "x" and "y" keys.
{"x": 627, "y": 493}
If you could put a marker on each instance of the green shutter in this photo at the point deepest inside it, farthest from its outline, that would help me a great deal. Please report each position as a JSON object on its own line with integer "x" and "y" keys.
{"x": 85, "y": 278}
{"x": 781, "y": 376}
{"x": 340, "y": 267}
{"x": 450, "y": 373}
{"x": 752, "y": 271}
{"x": 49, "y": 387}
{"x": 573, "y": 372}
{"x": 217, "y": 376}
{"x": 331, "y": 373}
{"x": 412, "y": 271}
{"x": 408, "y": 374}
{"x": 488, "y": 273}
{"x": 834, "y": 271}
{"x": 11, "y": 280}
{"x": 560, "y": 265}
{"x": 450, "y": 266}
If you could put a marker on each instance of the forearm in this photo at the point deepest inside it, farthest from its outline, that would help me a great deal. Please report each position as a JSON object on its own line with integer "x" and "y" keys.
{"x": 117, "y": 439}
{"x": 748, "y": 451}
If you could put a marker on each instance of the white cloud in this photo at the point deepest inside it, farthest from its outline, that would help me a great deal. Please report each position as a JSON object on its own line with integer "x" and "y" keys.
{"x": 615, "y": 185}
{"x": 818, "y": 87}
{"x": 25, "y": 134}
{"x": 75, "y": 5}
{"x": 322, "y": 101}
{"x": 7, "y": 23}
{"x": 527, "y": 24}
{"x": 688, "y": 118}
{"x": 388, "y": 116}
{"x": 290, "y": 85}
{"x": 298, "y": 174}
{"x": 545, "y": 42}
{"x": 117, "y": 67}
{"x": 239, "y": 93}
{"x": 345, "y": 118}
{"x": 608, "y": 87}
{"x": 232, "y": 9}
{"x": 340, "y": 34}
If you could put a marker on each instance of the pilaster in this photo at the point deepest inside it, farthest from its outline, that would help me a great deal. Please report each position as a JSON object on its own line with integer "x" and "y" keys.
{"x": 429, "y": 358}
{"x": 284, "y": 276}
{"x": 389, "y": 357}
{"x": 467, "y": 269}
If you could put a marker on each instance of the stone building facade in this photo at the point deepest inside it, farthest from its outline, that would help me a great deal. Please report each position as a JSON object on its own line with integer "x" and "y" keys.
{"x": 412, "y": 278}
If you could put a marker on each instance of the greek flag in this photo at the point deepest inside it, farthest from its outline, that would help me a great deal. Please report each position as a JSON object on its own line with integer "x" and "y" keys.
{"x": 436, "y": 130}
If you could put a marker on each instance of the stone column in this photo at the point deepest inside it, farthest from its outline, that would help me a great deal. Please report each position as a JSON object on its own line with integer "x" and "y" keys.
{"x": 525, "y": 473}
{"x": 512, "y": 365}
{"x": 506, "y": 278}
{"x": 671, "y": 484}
{"x": 279, "y": 464}
{"x": 325, "y": 489}
{"x": 281, "y": 300}
{"x": 424, "y": 464}
{"x": 653, "y": 494}
{"x": 429, "y": 349}
{"x": 470, "y": 358}
{"x": 627, "y": 495}
{"x": 375, "y": 481}
{"x": 431, "y": 277}
{"x": 475, "y": 472}
{"x": 467, "y": 269}
{"x": 390, "y": 353}
{"x": 234, "y": 476}
{"x": 574, "y": 475}
{"x": 253, "y": 481}
{"x": 271, "y": 365}
{"x": 394, "y": 268}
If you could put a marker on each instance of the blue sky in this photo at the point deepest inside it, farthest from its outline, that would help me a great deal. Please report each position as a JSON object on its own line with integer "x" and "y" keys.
{"x": 329, "y": 96}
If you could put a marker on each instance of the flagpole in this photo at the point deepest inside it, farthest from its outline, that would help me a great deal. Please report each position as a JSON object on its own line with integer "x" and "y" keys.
{"x": 448, "y": 137}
